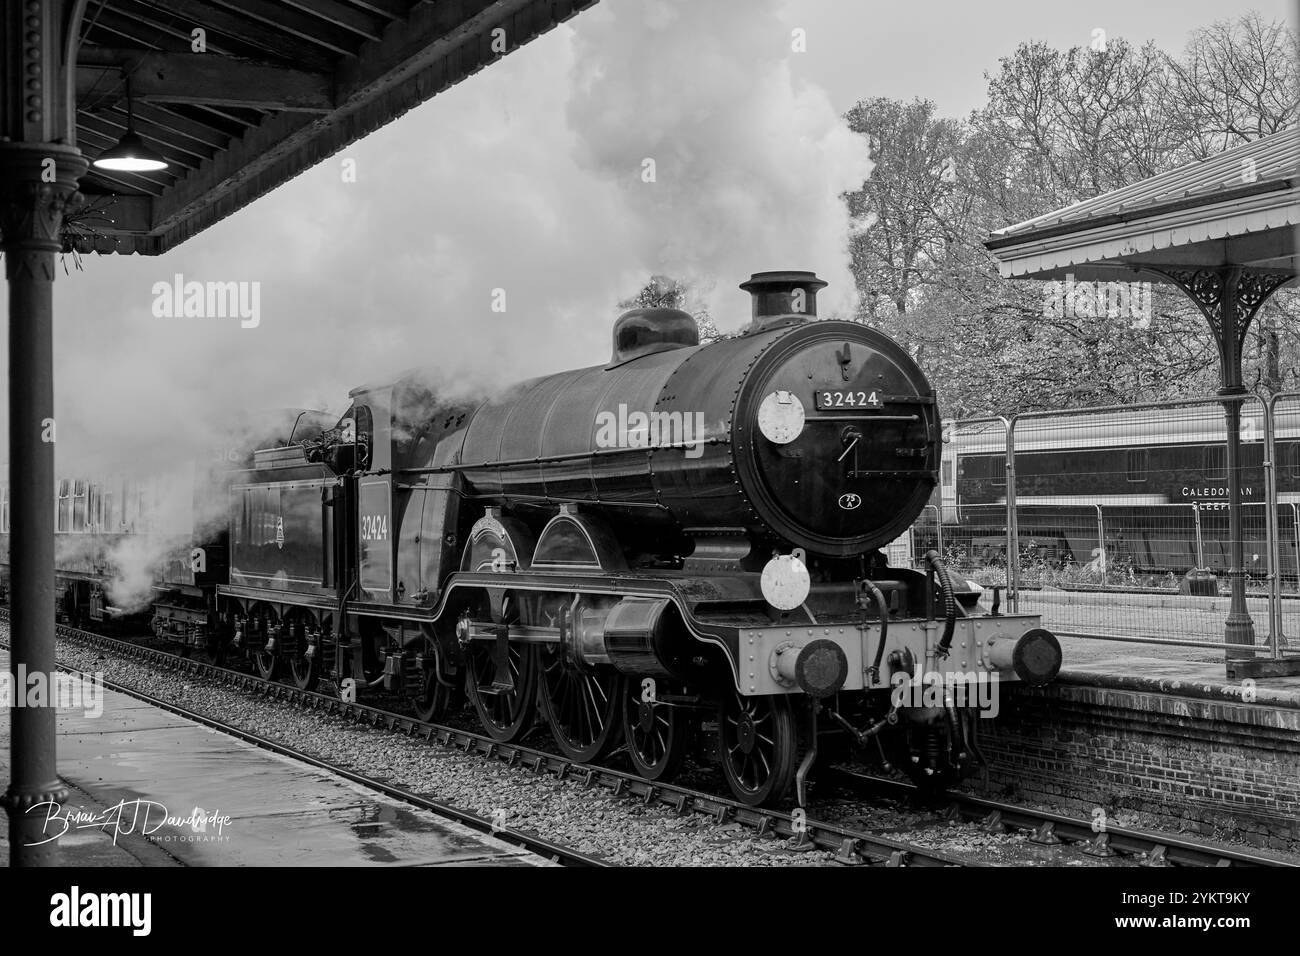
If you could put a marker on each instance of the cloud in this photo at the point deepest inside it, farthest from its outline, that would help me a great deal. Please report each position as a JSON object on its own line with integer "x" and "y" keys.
{"x": 525, "y": 180}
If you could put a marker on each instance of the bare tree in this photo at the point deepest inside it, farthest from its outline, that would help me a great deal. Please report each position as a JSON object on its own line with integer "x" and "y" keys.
{"x": 1059, "y": 126}
{"x": 1237, "y": 80}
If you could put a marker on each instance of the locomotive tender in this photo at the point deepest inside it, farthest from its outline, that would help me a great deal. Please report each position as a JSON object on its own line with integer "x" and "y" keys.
{"x": 676, "y": 550}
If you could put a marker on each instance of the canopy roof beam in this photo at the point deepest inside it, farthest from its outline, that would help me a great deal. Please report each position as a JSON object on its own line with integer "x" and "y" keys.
{"x": 205, "y": 78}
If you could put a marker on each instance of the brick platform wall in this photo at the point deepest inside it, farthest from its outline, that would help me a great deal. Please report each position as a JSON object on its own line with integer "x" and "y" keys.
{"x": 1184, "y": 757}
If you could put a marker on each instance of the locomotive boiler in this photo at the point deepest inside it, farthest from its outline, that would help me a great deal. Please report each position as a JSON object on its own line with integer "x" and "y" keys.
{"x": 737, "y": 435}
{"x": 674, "y": 551}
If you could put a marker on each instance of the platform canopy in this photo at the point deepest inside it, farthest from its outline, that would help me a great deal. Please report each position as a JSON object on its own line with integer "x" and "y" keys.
{"x": 277, "y": 87}
{"x": 1239, "y": 208}
{"x": 1223, "y": 230}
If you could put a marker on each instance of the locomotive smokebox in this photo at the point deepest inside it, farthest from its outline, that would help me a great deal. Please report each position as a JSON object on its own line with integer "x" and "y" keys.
{"x": 783, "y": 298}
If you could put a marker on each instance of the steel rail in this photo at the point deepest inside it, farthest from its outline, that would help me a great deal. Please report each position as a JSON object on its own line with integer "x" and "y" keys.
{"x": 1049, "y": 828}
{"x": 535, "y": 844}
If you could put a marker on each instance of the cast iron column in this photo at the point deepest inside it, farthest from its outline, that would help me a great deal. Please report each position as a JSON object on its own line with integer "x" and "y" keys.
{"x": 1229, "y": 297}
{"x": 37, "y": 183}
{"x": 39, "y": 169}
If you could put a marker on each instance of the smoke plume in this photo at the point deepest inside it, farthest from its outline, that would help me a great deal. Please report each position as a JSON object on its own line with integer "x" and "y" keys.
{"x": 486, "y": 237}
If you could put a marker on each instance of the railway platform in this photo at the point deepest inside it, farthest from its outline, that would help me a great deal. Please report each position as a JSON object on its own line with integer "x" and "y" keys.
{"x": 1168, "y": 665}
{"x": 149, "y": 788}
{"x": 1156, "y": 735}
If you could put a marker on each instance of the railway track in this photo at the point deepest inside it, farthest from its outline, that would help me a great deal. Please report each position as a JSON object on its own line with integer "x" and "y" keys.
{"x": 1052, "y": 829}
{"x": 852, "y": 847}
{"x": 557, "y": 853}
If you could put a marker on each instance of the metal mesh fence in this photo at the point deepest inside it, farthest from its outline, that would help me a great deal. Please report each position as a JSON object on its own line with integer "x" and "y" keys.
{"x": 1118, "y": 524}
{"x": 1285, "y": 455}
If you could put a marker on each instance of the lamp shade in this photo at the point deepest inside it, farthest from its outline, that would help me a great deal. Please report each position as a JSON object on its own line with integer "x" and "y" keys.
{"x": 130, "y": 155}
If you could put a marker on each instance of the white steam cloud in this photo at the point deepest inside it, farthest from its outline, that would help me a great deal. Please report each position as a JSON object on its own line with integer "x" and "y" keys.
{"x": 748, "y": 168}
{"x": 522, "y": 186}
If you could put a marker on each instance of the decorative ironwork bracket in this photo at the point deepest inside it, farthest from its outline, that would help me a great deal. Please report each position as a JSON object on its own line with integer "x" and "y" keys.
{"x": 1228, "y": 297}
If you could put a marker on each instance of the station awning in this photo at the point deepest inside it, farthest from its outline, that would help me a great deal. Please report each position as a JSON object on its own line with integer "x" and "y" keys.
{"x": 276, "y": 88}
{"x": 1224, "y": 232}
{"x": 1240, "y": 207}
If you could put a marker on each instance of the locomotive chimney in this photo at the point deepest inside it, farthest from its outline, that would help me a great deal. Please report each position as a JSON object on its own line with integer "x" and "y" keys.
{"x": 783, "y": 297}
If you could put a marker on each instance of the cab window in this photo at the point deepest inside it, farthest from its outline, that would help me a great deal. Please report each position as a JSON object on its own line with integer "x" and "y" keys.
{"x": 80, "y": 492}
{"x": 365, "y": 423}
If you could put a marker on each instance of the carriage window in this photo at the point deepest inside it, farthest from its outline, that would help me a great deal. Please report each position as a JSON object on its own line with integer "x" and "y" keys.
{"x": 1216, "y": 461}
{"x": 64, "y": 506}
{"x": 79, "y": 501}
{"x": 1137, "y": 464}
{"x": 947, "y": 473}
{"x": 1292, "y": 458}
{"x": 130, "y": 505}
{"x": 997, "y": 471}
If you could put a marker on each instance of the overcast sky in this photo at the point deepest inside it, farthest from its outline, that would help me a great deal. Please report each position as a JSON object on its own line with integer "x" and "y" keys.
{"x": 940, "y": 49}
{"x": 527, "y": 178}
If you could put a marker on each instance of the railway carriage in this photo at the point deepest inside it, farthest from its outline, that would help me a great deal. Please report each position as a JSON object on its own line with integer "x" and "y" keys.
{"x": 1159, "y": 477}
{"x": 98, "y": 517}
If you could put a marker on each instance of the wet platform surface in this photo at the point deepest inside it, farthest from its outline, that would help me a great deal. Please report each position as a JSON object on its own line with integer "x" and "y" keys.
{"x": 148, "y": 788}
{"x": 1168, "y": 669}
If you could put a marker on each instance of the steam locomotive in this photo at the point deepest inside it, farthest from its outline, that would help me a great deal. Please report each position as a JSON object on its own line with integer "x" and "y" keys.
{"x": 676, "y": 551}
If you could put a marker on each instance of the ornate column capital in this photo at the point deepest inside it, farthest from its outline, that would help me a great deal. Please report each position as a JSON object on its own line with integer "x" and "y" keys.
{"x": 1213, "y": 289}
{"x": 38, "y": 185}
{"x": 1228, "y": 297}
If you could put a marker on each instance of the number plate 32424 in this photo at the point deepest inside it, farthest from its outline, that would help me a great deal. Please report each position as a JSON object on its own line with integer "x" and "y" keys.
{"x": 841, "y": 398}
